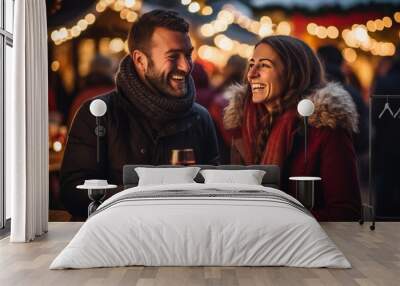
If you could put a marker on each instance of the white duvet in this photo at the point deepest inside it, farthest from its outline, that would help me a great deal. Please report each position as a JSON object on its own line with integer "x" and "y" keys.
{"x": 183, "y": 231}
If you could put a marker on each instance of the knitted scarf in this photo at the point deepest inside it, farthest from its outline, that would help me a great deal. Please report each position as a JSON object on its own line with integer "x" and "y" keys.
{"x": 280, "y": 135}
{"x": 155, "y": 106}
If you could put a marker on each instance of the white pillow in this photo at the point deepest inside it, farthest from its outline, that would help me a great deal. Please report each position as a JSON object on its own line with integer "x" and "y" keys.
{"x": 248, "y": 177}
{"x": 163, "y": 176}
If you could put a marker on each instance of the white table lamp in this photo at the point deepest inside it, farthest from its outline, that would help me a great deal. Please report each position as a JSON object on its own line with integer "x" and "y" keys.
{"x": 98, "y": 108}
{"x": 305, "y": 108}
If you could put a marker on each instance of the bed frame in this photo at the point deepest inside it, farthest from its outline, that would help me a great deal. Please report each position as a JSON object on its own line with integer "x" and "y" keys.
{"x": 270, "y": 179}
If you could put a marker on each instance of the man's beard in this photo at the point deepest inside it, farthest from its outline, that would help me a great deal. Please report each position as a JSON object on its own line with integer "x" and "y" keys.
{"x": 161, "y": 81}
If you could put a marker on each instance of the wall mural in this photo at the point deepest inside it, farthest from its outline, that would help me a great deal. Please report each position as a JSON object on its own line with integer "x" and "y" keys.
{"x": 222, "y": 104}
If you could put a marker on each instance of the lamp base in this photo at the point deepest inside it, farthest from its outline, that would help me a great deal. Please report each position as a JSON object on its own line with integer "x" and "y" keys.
{"x": 305, "y": 193}
{"x": 96, "y": 196}
{"x": 305, "y": 190}
{"x": 100, "y": 131}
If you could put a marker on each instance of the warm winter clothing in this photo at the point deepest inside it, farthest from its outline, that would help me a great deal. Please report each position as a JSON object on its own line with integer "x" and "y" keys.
{"x": 141, "y": 128}
{"x": 331, "y": 153}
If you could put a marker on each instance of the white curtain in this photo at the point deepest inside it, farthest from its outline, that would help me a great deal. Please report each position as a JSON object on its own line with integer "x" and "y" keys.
{"x": 26, "y": 124}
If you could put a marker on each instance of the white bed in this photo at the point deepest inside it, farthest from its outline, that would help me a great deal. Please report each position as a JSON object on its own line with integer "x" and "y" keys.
{"x": 248, "y": 226}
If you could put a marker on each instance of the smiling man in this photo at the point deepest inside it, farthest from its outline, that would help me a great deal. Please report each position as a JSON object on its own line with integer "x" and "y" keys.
{"x": 151, "y": 113}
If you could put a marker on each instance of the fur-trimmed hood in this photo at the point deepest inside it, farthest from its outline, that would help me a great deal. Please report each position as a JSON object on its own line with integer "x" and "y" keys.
{"x": 334, "y": 108}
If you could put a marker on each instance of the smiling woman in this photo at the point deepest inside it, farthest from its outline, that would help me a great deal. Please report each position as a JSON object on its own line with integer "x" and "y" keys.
{"x": 264, "y": 76}
{"x": 282, "y": 71}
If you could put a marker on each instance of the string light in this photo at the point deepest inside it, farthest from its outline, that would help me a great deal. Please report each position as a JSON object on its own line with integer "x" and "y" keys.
{"x": 312, "y": 28}
{"x": 55, "y": 65}
{"x": 124, "y": 13}
{"x": 360, "y": 33}
{"x": 213, "y": 54}
{"x": 83, "y": 24}
{"x": 100, "y": 7}
{"x": 90, "y": 18}
{"x": 75, "y": 31}
{"x": 223, "y": 42}
{"x": 126, "y": 8}
{"x": 207, "y": 30}
{"x": 358, "y": 37}
{"x": 116, "y": 45}
{"x": 396, "y": 17}
{"x": 219, "y": 26}
{"x": 194, "y": 7}
{"x": 131, "y": 17}
{"x": 266, "y": 20}
{"x": 220, "y": 56}
{"x": 321, "y": 32}
{"x": 265, "y": 30}
{"x": 383, "y": 49}
{"x": 223, "y": 49}
{"x": 118, "y": 5}
{"x": 129, "y": 3}
{"x": 207, "y": 10}
{"x": 332, "y": 32}
{"x": 57, "y": 146}
{"x": 387, "y": 22}
{"x": 349, "y": 55}
{"x": 379, "y": 24}
{"x": 230, "y": 15}
{"x": 284, "y": 28}
{"x": 371, "y": 26}
{"x": 226, "y": 16}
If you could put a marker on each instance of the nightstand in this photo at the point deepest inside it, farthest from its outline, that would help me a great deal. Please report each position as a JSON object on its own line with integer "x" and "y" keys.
{"x": 96, "y": 191}
{"x": 305, "y": 190}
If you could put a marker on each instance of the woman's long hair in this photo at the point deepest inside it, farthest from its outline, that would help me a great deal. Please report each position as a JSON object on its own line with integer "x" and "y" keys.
{"x": 302, "y": 75}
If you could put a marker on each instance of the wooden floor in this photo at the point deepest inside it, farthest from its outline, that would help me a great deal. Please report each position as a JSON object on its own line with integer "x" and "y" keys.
{"x": 375, "y": 256}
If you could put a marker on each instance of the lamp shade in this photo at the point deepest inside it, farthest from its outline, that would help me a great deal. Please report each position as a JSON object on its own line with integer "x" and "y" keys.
{"x": 305, "y": 107}
{"x": 98, "y": 107}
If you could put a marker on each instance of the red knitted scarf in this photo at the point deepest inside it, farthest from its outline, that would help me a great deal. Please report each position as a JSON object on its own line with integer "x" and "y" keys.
{"x": 280, "y": 138}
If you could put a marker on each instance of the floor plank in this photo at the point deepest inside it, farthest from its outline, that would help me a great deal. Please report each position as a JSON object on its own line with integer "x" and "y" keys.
{"x": 374, "y": 255}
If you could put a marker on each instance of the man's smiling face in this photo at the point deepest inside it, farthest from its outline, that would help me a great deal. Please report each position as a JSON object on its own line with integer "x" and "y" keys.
{"x": 169, "y": 62}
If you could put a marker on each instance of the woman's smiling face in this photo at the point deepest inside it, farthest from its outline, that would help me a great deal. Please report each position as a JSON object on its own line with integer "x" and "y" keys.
{"x": 265, "y": 74}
